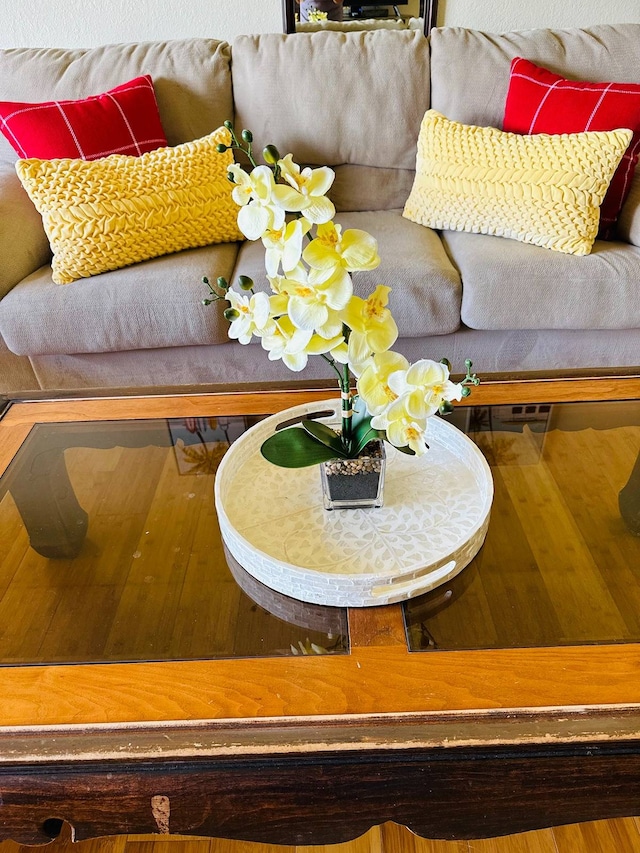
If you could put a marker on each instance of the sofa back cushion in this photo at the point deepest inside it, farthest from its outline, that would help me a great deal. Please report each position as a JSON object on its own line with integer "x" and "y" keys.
{"x": 629, "y": 222}
{"x": 191, "y": 77}
{"x": 470, "y": 69}
{"x": 350, "y": 100}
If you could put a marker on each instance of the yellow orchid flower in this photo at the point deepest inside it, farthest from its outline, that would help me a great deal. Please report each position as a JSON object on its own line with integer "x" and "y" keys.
{"x": 373, "y": 329}
{"x": 340, "y": 351}
{"x": 318, "y": 345}
{"x": 253, "y": 318}
{"x": 402, "y": 429}
{"x": 288, "y": 343}
{"x": 373, "y": 382}
{"x": 354, "y": 249}
{"x": 293, "y": 345}
{"x": 315, "y": 300}
{"x": 254, "y": 194}
{"x": 284, "y": 246}
{"x": 305, "y": 191}
{"x": 433, "y": 377}
{"x": 425, "y": 386}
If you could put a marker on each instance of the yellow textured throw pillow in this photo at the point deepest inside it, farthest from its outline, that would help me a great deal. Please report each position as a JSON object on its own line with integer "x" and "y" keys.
{"x": 105, "y": 214}
{"x": 542, "y": 189}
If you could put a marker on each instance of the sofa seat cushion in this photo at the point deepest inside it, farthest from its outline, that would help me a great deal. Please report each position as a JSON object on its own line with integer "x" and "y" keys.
{"x": 157, "y": 303}
{"x": 425, "y": 287}
{"x": 216, "y": 368}
{"x": 511, "y": 285}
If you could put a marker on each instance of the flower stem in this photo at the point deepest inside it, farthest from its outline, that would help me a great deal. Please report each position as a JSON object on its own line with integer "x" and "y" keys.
{"x": 330, "y": 361}
{"x": 347, "y": 411}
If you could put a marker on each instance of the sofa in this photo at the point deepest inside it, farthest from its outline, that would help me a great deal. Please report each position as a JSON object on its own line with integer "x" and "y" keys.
{"x": 354, "y": 101}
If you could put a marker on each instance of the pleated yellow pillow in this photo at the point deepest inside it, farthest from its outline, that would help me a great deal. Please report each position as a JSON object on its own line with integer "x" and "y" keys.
{"x": 542, "y": 189}
{"x": 106, "y": 214}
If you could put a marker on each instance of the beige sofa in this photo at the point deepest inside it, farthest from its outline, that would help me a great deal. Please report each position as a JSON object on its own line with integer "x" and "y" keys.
{"x": 353, "y": 101}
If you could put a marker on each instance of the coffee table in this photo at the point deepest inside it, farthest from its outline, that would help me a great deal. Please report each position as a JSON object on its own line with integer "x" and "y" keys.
{"x": 149, "y": 685}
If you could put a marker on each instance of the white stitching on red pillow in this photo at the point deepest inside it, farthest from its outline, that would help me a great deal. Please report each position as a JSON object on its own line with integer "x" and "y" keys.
{"x": 124, "y": 120}
{"x": 539, "y": 101}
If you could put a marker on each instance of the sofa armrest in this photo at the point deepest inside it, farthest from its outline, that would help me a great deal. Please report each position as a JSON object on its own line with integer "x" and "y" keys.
{"x": 23, "y": 244}
{"x": 628, "y": 228}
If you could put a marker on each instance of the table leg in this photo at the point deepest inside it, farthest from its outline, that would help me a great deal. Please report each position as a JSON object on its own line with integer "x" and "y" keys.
{"x": 629, "y": 500}
{"x": 55, "y": 521}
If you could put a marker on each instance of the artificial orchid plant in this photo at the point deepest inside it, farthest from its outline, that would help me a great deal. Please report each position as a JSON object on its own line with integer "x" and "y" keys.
{"x": 312, "y": 310}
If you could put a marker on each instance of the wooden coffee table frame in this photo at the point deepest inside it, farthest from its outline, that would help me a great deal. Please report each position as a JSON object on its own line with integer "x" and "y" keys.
{"x": 316, "y": 750}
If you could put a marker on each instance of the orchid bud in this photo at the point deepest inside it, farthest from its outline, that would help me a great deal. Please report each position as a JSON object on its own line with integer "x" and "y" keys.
{"x": 244, "y": 282}
{"x": 247, "y": 136}
{"x": 221, "y": 147}
{"x": 222, "y": 283}
{"x": 231, "y": 314}
{"x": 228, "y": 124}
{"x": 445, "y": 407}
{"x": 271, "y": 155}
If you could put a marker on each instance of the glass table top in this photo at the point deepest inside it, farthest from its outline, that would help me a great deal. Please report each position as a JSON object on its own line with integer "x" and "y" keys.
{"x": 114, "y": 554}
{"x": 561, "y": 561}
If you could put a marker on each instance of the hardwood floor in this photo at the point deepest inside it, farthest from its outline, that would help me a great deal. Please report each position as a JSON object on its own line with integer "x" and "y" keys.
{"x": 605, "y": 836}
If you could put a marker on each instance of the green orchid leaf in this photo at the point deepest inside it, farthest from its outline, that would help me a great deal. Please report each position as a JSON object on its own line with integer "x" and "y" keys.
{"x": 324, "y": 434}
{"x": 364, "y": 434}
{"x": 361, "y": 418}
{"x": 295, "y": 448}
{"x": 359, "y": 413}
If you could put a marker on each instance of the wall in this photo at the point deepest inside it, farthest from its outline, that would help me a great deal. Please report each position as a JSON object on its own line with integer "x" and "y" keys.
{"x": 84, "y": 23}
{"x": 502, "y": 15}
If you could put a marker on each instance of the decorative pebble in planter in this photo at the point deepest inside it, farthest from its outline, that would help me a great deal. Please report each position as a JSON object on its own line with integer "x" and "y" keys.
{"x": 355, "y": 483}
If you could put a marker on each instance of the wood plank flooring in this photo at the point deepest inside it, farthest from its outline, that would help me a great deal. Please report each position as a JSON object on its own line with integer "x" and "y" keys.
{"x": 605, "y": 836}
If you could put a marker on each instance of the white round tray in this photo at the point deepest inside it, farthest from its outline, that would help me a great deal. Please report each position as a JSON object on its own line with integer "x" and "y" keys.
{"x": 433, "y": 522}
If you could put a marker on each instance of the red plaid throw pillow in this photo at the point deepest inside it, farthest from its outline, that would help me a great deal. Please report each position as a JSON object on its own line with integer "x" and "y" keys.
{"x": 124, "y": 120}
{"x": 539, "y": 101}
